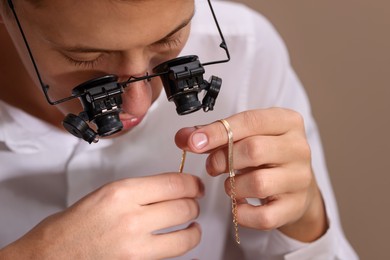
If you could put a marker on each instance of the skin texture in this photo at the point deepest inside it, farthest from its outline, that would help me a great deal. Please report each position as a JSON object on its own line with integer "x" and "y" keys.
{"x": 271, "y": 152}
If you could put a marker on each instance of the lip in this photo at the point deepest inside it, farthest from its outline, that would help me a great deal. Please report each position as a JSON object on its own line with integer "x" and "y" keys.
{"x": 130, "y": 121}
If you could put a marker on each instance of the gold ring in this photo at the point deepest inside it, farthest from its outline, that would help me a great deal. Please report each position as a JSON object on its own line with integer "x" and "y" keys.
{"x": 230, "y": 146}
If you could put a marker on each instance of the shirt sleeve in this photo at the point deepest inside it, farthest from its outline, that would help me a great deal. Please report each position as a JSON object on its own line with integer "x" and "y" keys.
{"x": 271, "y": 69}
{"x": 282, "y": 247}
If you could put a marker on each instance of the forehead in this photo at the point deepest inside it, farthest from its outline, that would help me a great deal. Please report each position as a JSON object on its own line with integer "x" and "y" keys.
{"x": 91, "y": 5}
{"x": 103, "y": 20}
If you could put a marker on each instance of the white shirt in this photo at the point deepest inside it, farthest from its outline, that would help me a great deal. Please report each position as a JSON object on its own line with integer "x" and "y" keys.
{"x": 43, "y": 170}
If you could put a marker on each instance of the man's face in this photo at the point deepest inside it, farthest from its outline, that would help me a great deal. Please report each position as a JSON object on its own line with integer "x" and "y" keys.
{"x": 74, "y": 41}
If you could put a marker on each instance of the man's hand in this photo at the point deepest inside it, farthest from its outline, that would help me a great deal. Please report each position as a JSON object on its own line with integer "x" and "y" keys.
{"x": 119, "y": 221}
{"x": 273, "y": 163}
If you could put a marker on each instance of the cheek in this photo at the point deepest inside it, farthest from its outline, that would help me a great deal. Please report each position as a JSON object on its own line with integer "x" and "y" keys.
{"x": 156, "y": 86}
{"x": 62, "y": 81}
{"x": 73, "y": 107}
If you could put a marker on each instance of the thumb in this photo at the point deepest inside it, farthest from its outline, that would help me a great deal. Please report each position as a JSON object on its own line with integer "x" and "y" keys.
{"x": 182, "y": 137}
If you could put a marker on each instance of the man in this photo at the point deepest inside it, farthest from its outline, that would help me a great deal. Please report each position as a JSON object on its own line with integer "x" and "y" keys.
{"x": 122, "y": 197}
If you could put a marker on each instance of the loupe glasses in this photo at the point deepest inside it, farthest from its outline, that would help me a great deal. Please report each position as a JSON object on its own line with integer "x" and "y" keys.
{"x": 101, "y": 98}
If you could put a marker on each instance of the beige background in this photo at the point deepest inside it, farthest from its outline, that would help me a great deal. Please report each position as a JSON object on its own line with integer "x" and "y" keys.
{"x": 341, "y": 51}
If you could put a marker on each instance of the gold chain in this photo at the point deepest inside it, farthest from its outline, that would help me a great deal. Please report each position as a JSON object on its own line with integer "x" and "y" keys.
{"x": 183, "y": 160}
{"x": 231, "y": 176}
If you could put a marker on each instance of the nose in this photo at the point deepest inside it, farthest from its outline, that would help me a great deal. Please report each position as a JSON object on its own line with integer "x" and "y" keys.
{"x": 137, "y": 96}
{"x": 134, "y": 63}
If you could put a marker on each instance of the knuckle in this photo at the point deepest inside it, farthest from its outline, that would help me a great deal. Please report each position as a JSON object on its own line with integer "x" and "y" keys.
{"x": 176, "y": 183}
{"x": 251, "y": 119}
{"x": 253, "y": 150}
{"x": 296, "y": 119}
{"x": 305, "y": 150}
{"x": 216, "y": 162}
{"x": 268, "y": 221}
{"x": 133, "y": 223}
{"x": 228, "y": 187}
{"x": 307, "y": 177}
{"x": 113, "y": 193}
{"x": 188, "y": 208}
{"x": 260, "y": 185}
{"x": 302, "y": 149}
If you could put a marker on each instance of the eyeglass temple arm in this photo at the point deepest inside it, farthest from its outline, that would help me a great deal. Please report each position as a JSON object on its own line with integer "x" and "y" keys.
{"x": 44, "y": 87}
{"x": 223, "y": 44}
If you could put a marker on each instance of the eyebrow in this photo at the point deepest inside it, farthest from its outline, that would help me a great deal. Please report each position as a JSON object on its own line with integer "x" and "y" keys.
{"x": 85, "y": 49}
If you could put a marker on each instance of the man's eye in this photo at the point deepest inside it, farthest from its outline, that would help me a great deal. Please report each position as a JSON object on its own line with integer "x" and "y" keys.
{"x": 171, "y": 43}
{"x": 87, "y": 64}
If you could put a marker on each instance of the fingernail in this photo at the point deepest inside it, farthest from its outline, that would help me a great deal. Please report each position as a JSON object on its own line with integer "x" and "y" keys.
{"x": 200, "y": 140}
